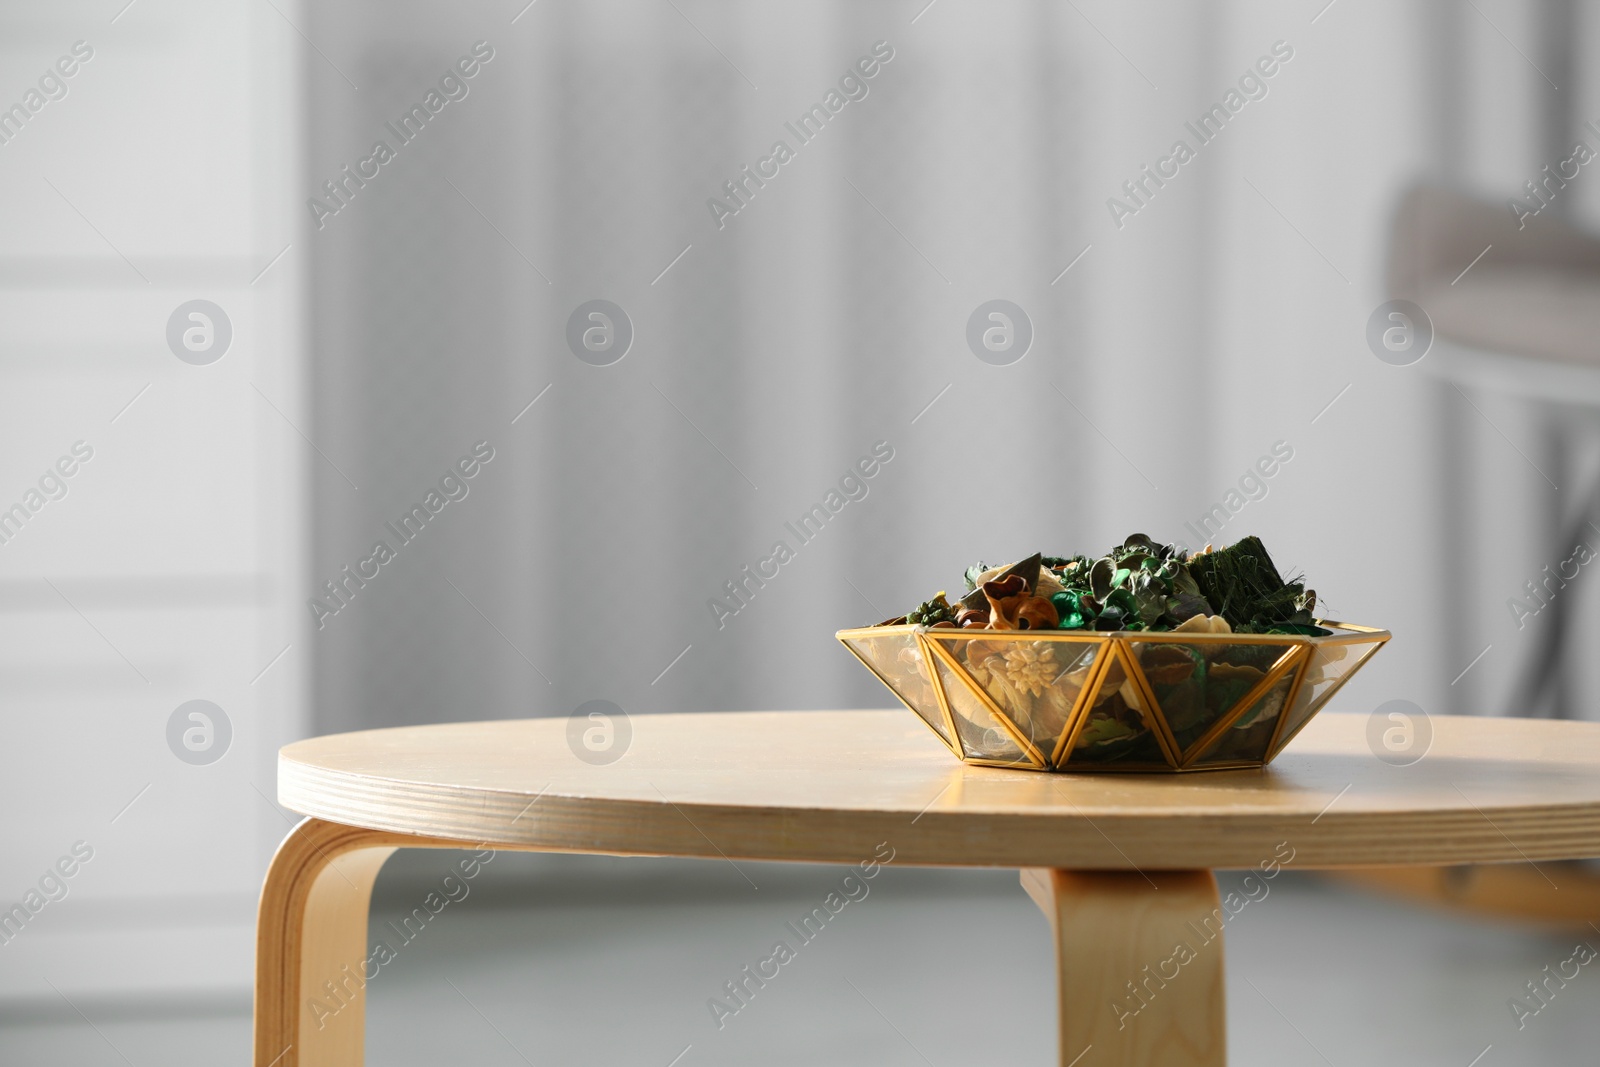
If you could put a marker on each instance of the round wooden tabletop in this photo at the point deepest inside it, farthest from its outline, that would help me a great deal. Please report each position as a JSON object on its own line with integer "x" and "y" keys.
{"x": 832, "y": 786}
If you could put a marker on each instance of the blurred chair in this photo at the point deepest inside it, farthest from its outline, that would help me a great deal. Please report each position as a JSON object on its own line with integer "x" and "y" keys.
{"x": 1515, "y": 308}
{"x": 1524, "y": 321}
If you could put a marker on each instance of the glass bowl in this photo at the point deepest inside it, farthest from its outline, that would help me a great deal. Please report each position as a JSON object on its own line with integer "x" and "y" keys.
{"x": 1053, "y": 700}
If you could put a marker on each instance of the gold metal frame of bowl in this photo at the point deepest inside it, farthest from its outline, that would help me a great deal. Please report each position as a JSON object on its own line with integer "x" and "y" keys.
{"x": 987, "y": 718}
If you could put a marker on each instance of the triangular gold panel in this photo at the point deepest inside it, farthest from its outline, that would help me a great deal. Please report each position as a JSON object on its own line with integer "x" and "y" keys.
{"x": 1330, "y": 666}
{"x": 1119, "y": 727}
{"x": 897, "y": 660}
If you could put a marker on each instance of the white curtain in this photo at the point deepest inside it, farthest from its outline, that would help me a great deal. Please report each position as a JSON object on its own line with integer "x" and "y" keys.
{"x": 1225, "y": 316}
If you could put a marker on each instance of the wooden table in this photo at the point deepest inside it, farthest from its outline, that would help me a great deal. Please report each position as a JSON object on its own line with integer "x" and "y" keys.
{"x": 1120, "y": 864}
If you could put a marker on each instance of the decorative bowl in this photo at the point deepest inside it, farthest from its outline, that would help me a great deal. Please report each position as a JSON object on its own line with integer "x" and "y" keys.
{"x": 1113, "y": 701}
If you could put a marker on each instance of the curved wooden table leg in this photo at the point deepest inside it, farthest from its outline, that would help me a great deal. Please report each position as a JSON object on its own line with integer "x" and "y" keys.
{"x": 1140, "y": 964}
{"x": 311, "y": 930}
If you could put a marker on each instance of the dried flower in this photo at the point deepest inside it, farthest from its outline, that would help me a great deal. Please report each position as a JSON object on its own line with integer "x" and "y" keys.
{"x": 1031, "y": 666}
{"x": 931, "y": 612}
{"x": 1012, "y": 607}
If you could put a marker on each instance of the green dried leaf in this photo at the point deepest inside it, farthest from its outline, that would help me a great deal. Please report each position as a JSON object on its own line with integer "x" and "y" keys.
{"x": 1100, "y": 577}
{"x": 1106, "y": 730}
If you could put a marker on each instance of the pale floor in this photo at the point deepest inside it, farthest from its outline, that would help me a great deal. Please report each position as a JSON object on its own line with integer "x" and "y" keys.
{"x": 940, "y": 968}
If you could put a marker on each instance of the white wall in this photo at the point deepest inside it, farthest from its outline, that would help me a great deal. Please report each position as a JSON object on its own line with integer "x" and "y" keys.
{"x": 170, "y": 569}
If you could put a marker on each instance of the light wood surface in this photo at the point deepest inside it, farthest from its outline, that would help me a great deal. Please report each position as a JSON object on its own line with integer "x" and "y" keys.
{"x": 1128, "y": 856}
{"x": 830, "y": 786}
{"x": 1557, "y": 894}
{"x": 1140, "y": 965}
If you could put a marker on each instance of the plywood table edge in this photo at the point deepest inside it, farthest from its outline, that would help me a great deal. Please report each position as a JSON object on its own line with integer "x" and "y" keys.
{"x": 967, "y": 838}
